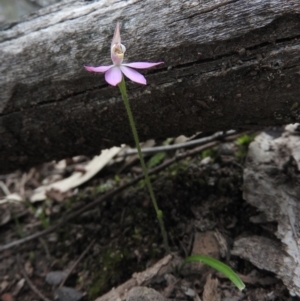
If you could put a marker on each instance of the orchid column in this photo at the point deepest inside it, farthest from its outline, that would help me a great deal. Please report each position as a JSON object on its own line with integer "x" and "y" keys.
{"x": 114, "y": 76}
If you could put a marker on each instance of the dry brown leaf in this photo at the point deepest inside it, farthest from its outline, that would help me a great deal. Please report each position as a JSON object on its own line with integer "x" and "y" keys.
{"x": 210, "y": 292}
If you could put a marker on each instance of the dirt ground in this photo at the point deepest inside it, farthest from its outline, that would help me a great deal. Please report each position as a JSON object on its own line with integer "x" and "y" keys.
{"x": 204, "y": 212}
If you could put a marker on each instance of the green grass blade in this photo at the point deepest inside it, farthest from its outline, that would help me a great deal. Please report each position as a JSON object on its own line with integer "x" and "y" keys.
{"x": 219, "y": 266}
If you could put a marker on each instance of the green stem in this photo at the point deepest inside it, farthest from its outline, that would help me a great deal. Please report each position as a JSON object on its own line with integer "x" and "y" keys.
{"x": 159, "y": 214}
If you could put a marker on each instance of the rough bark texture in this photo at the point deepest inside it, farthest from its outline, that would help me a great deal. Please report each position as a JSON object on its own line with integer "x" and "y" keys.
{"x": 272, "y": 185}
{"x": 228, "y": 64}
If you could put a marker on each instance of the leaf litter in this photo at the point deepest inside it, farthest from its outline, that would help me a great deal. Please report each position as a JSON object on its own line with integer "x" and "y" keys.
{"x": 201, "y": 196}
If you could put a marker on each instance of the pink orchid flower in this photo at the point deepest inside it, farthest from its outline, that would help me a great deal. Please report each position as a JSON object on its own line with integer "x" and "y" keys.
{"x": 113, "y": 73}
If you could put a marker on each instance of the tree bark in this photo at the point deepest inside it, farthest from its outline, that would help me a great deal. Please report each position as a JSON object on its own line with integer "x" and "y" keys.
{"x": 227, "y": 64}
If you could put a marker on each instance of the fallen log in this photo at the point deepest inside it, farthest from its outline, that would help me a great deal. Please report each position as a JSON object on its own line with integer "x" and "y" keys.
{"x": 227, "y": 64}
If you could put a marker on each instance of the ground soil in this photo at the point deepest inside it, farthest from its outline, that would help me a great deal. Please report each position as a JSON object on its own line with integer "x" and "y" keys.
{"x": 195, "y": 195}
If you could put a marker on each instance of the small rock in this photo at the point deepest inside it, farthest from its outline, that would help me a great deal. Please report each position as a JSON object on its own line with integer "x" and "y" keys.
{"x": 67, "y": 294}
{"x": 55, "y": 277}
{"x": 188, "y": 291}
{"x": 142, "y": 293}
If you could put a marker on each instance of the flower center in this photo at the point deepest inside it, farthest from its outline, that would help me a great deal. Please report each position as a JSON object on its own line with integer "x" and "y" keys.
{"x": 118, "y": 50}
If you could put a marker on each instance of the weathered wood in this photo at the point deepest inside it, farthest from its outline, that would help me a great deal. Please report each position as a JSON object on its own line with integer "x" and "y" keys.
{"x": 228, "y": 64}
{"x": 272, "y": 185}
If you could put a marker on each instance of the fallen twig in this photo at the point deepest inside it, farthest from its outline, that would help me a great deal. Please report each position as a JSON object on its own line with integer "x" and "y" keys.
{"x": 30, "y": 284}
{"x": 165, "y": 148}
{"x": 114, "y": 192}
{"x": 76, "y": 262}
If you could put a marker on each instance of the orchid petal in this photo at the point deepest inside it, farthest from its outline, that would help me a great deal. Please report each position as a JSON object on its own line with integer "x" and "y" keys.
{"x": 113, "y": 76}
{"x": 142, "y": 65}
{"x": 133, "y": 75}
{"x": 117, "y": 36}
{"x": 98, "y": 69}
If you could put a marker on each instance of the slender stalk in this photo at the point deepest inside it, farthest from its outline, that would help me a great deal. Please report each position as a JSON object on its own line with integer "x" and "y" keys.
{"x": 159, "y": 214}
